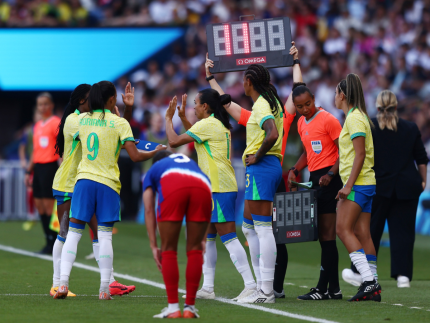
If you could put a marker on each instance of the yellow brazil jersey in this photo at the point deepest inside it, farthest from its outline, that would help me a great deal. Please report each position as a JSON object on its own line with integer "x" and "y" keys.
{"x": 213, "y": 145}
{"x": 101, "y": 141}
{"x": 65, "y": 176}
{"x": 255, "y": 133}
{"x": 356, "y": 125}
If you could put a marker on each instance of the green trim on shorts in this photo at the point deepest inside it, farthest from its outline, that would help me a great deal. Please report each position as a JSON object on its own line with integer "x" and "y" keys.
{"x": 351, "y": 196}
{"x": 220, "y": 215}
{"x": 255, "y": 194}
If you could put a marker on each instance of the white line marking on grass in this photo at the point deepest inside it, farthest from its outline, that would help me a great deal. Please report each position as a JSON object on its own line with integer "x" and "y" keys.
{"x": 80, "y": 295}
{"x": 418, "y": 308}
{"x": 398, "y": 304}
{"x": 304, "y": 286}
{"x": 158, "y": 285}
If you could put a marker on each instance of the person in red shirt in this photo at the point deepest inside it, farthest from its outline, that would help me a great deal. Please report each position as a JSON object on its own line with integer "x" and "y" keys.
{"x": 242, "y": 116}
{"x": 44, "y": 164}
{"x": 319, "y": 132}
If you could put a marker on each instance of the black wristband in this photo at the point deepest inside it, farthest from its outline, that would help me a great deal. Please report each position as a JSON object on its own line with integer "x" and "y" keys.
{"x": 296, "y": 61}
{"x": 208, "y": 78}
{"x": 28, "y": 172}
{"x": 295, "y": 171}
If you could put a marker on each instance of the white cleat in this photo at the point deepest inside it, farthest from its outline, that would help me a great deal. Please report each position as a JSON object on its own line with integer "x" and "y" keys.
{"x": 259, "y": 297}
{"x": 403, "y": 282}
{"x": 166, "y": 314}
{"x": 245, "y": 293}
{"x": 351, "y": 277}
{"x": 202, "y": 294}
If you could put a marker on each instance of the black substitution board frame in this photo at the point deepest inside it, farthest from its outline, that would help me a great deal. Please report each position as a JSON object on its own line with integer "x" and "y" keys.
{"x": 295, "y": 217}
{"x": 272, "y": 59}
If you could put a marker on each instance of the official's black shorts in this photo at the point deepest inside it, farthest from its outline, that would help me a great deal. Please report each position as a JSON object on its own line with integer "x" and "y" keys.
{"x": 326, "y": 195}
{"x": 43, "y": 178}
{"x": 281, "y": 187}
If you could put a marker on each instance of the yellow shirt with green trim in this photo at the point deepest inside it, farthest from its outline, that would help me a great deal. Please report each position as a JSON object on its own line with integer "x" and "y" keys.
{"x": 356, "y": 125}
{"x": 64, "y": 180}
{"x": 213, "y": 146}
{"x": 255, "y": 133}
{"x": 101, "y": 141}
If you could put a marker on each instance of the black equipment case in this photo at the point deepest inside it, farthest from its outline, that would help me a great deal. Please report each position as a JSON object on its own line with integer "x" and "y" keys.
{"x": 295, "y": 217}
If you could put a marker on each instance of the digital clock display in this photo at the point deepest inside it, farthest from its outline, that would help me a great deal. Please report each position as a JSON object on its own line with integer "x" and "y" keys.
{"x": 232, "y": 46}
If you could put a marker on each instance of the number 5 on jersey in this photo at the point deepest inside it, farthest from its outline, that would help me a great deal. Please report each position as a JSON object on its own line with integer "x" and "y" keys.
{"x": 93, "y": 146}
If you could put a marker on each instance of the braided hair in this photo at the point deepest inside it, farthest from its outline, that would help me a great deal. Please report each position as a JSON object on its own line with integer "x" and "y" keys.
{"x": 260, "y": 79}
{"x": 77, "y": 95}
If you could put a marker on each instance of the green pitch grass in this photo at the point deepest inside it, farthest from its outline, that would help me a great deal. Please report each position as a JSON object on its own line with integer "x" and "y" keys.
{"x": 25, "y": 283}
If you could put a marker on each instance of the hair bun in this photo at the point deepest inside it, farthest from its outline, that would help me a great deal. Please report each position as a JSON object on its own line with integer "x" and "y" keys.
{"x": 297, "y": 84}
{"x": 225, "y": 99}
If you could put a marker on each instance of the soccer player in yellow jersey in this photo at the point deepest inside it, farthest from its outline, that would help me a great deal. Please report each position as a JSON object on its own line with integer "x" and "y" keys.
{"x": 213, "y": 144}
{"x": 102, "y": 134}
{"x": 355, "y": 198}
{"x": 69, "y": 148}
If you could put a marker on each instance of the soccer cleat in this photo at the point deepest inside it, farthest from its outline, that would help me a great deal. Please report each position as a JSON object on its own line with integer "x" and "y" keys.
{"x": 403, "y": 282}
{"x": 166, "y": 314}
{"x": 245, "y": 293}
{"x": 105, "y": 295}
{"x": 279, "y": 295}
{"x": 259, "y": 297}
{"x": 54, "y": 290}
{"x": 367, "y": 291}
{"x": 62, "y": 292}
{"x": 314, "y": 295}
{"x": 203, "y": 294}
{"x": 337, "y": 295}
{"x": 119, "y": 289}
{"x": 351, "y": 277}
{"x": 190, "y": 313}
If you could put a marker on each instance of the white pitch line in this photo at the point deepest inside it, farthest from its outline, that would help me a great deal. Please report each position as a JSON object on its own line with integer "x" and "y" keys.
{"x": 398, "y": 304}
{"x": 47, "y": 295}
{"x": 180, "y": 290}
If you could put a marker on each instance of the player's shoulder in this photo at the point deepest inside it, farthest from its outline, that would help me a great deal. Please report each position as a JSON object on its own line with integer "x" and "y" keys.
{"x": 261, "y": 104}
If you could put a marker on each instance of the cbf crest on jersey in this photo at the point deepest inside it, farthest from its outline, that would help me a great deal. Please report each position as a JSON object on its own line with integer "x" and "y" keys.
{"x": 316, "y": 146}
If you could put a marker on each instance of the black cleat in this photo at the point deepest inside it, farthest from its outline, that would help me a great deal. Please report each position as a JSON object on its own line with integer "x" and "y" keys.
{"x": 337, "y": 295}
{"x": 314, "y": 295}
{"x": 367, "y": 291}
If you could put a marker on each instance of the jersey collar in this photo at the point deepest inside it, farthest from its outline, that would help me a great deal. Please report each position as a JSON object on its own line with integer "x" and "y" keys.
{"x": 101, "y": 110}
{"x": 352, "y": 109}
{"x": 77, "y": 112}
{"x": 212, "y": 115}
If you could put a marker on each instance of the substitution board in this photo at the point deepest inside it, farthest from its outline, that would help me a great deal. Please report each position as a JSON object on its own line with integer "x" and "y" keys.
{"x": 295, "y": 217}
{"x": 233, "y": 46}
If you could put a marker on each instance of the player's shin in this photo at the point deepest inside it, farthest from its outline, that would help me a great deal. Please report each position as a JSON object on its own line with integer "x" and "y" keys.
{"x": 209, "y": 264}
{"x": 239, "y": 258}
{"x": 254, "y": 247}
{"x": 105, "y": 254}
{"x": 68, "y": 254}
{"x": 170, "y": 271}
{"x": 193, "y": 274}
{"x": 263, "y": 228}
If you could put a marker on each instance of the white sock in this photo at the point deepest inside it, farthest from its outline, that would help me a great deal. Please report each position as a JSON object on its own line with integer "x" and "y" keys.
{"x": 209, "y": 263}
{"x": 112, "y": 278}
{"x": 254, "y": 247}
{"x": 105, "y": 257}
{"x": 68, "y": 254}
{"x": 191, "y": 307}
{"x": 267, "y": 251}
{"x": 359, "y": 260}
{"x": 96, "y": 250}
{"x": 173, "y": 307}
{"x": 56, "y": 257}
{"x": 371, "y": 259}
{"x": 239, "y": 258}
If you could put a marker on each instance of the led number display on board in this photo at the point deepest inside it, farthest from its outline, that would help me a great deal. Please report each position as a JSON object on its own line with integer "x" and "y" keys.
{"x": 235, "y": 45}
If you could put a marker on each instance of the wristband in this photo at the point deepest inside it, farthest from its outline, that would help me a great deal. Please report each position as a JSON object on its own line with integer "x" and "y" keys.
{"x": 296, "y": 61}
{"x": 28, "y": 172}
{"x": 208, "y": 78}
{"x": 295, "y": 171}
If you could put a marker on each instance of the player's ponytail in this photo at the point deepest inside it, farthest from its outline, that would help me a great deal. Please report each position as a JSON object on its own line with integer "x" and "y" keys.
{"x": 299, "y": 88}
{"x": 353, "y": 91}
{"x": 216, "y": 103}
{"x": 76, "y": 97}
{"x": 386, "y": 103}
{"x": 99, "y": 95}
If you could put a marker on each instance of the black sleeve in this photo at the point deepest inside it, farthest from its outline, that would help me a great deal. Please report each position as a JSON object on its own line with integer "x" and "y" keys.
{"x": 420, "y": 154}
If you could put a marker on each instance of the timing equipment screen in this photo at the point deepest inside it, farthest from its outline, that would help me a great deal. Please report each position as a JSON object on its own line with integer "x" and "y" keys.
{"x": 234, "y": 46}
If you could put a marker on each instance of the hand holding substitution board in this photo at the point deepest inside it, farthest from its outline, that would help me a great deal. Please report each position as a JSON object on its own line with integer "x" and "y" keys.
{"x": 233, "y": 46}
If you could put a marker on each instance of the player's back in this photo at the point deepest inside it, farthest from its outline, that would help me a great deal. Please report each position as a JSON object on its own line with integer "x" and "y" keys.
{"x": 174, "y": 173}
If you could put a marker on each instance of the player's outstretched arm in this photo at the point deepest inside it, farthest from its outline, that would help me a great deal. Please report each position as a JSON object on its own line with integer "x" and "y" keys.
{"x": 128, "y": 100}
{"x": 297, "y": 78}
{"x": 151, "y": 224}
{"x": 175, "y": 140}
{"x": 138, "y": 155}
{"x": 233, "y": 109}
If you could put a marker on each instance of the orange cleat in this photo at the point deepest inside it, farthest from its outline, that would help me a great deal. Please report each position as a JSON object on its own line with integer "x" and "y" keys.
{"x": 105, "y": 296}
{"x": 119, "y": 289}
{"x": 166, "y": 314}
{"x": 190, "y": 313}
{"x": 61, "y": 292}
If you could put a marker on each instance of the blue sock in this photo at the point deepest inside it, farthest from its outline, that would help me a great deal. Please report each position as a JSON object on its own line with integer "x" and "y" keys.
{"x": 229, "y": 237}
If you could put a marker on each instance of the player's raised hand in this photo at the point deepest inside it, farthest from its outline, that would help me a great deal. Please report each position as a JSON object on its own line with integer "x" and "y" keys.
{"x": 181, "y": 110}
{"x": 172, "y": 108}
{"x": 209, "y": 64}
{"x": 128, "y": 98}
{"x": 294, "y": 51}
